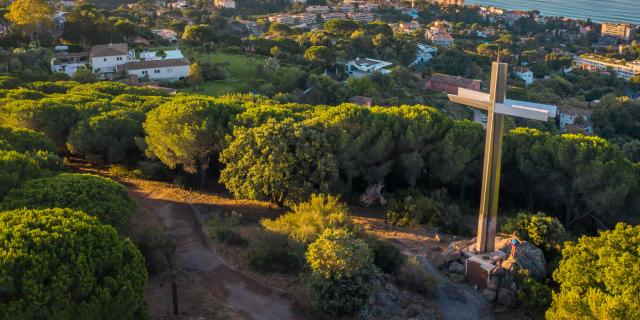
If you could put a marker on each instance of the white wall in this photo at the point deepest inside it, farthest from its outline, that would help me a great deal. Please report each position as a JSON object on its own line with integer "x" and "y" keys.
{"x": 108, "y": 64}
{"x": 69, "y": 69}
{"x": 165, "y": 73}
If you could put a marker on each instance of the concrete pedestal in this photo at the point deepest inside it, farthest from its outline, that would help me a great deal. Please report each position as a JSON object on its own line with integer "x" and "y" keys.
{"x": 478, "y": 267}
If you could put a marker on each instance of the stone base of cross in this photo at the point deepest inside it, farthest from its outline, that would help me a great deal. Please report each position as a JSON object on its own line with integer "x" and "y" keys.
{"x": 497, "y": 106}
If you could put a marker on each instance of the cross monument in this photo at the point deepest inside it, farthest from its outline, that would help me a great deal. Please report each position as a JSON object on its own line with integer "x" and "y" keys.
{"x": 497, "y": 106}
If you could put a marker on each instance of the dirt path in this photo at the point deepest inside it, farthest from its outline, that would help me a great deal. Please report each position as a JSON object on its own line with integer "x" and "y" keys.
{"x": 195, "y": 255}
{"x": 454, "y": 301}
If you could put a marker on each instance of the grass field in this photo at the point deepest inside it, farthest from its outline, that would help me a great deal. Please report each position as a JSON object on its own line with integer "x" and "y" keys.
{"x": 241, "y": 68}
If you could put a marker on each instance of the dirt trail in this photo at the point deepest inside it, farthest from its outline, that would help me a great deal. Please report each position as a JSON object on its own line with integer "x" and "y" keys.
{"x": 194, "y": 254}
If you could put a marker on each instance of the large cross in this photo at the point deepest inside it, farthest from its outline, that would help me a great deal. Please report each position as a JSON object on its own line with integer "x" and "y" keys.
{"x": 496, "y": 105}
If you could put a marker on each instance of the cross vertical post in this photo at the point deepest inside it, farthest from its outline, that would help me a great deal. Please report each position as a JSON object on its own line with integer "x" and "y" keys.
{"x": 492, "y": 161}
{"x": 497, "y": 107}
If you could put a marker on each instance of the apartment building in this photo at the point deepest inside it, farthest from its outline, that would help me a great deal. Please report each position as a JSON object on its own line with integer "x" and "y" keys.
{"x": 622, "y": 31}
{"x": 624, "y": 69}
{"x": 450, "y": 2}
{"x": 283, "y": 18}
{"x": 362, "y": 16}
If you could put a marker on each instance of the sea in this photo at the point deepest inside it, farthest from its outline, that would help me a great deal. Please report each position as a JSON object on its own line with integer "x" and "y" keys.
{"x": 597, "y": 10}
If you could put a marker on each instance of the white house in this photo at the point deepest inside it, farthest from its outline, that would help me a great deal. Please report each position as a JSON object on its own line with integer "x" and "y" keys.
{"x": 524, "y": 73}
{"x": 363, "y": 67}
{"x": 105, "y": 59}
{"x": 158, "y": 70}
{"x": 69, "y": 63}
{"x": 572, "y": 118}
{"x": 424, "y": 54}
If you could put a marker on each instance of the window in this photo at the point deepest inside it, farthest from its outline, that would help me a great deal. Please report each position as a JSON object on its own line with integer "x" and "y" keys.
{"x": 105, "y": 59}
{"x": 156, "y": 71}
{"x": 119, "y": 58}
{"x": 145, "y": 72}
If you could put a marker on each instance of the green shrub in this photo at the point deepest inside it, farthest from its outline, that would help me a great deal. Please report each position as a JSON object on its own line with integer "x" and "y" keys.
{"x": 121, "y": 171}
{"x": 16, "y": 168}
{"x": 53, "y": 87}
{"x": 598, "y": 277}
{"x": 9, "y": 82}
{"x": 309, "y": 219}
{"x": 545, "y": 232}
{"x": 222, "y": 230}
{"x": 25, "y": 140}
{"x": 342, "y": 274}
{"x": 154, "y": 170}
{"x": 230, "y": 237}
{"x": 414, "y": 208}
{"x": 157, "y": 250}
{"x": 274, "y": 252}
{"x": 24, "y": 94}
{"x": 97, "y": 196}
{"x": 386, "y": 256}
{"x": 64, "y": 264}
{"x": 414, "y": 276}
{"x": 531, "y": 293}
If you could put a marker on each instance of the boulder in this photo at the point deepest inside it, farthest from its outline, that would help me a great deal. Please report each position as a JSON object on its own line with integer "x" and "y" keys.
{"x": 489, "y": 295}
{"x": 506, "y": 297}
{"x": 449, "y": 255}
{"x": 528, "y": 257}
{"x": 493, "y": 283}
{"x": 456, "y": 267}
{"x": 457, "y": 278}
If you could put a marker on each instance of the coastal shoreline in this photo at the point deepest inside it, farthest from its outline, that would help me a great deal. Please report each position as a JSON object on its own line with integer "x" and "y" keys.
{"x": 611, "y": 13}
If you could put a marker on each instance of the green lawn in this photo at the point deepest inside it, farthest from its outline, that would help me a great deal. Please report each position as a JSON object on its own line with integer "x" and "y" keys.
{"x": 241, "y": 68}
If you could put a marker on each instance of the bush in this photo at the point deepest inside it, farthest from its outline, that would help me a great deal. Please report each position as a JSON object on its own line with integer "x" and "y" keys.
{"x": 309, "y": 219}
{"x": 25, "y": 140}
{"x": 100, "y": 197}
{"x": 121, "y": 171}
{"x": 531, "y": 293}
{"x": 414, "y": 276}
{"x": 53, "y": 87}
{"x": 545, "y": 232}
{"x": 9, "y": 82}
{"x": 64, "y": 264}
{"x": 386, "y": 256}
{"x": 414, "y": 208}
{"x": 230, "y": 237}
{"x": 15, "y": 169}
{"x": 223, "y": 232}
{"x": 273, "y": 252}
{"x": 342, "y": 274}
{"x": 24, "y": 94}
{"x": 598, "y": 277}
{"x": 157, "y": 250}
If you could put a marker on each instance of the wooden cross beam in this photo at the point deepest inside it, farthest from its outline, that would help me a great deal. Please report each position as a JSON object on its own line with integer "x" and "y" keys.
{"x": 497, "y": 106}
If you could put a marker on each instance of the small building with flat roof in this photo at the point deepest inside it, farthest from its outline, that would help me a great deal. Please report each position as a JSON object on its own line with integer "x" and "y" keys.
{"x": 364, "y": 67}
